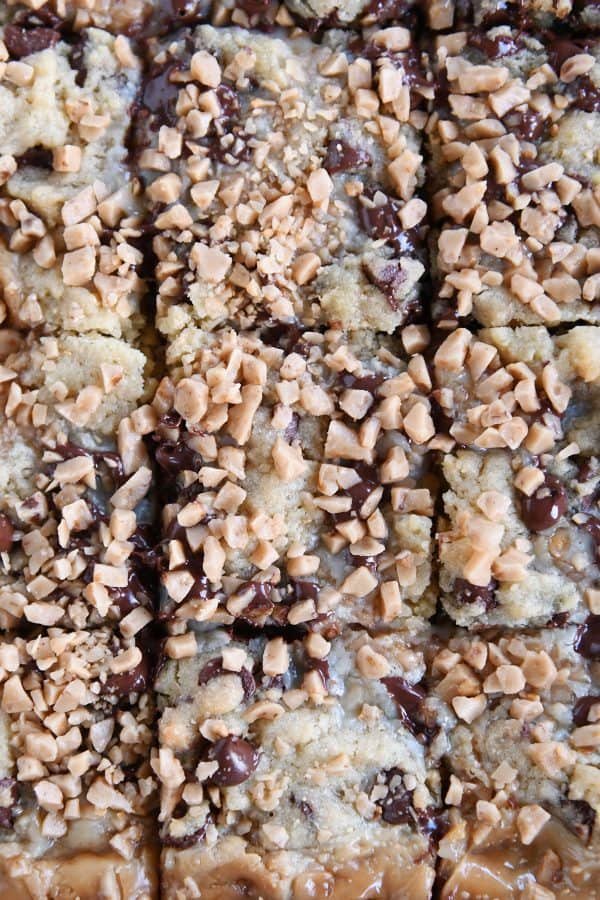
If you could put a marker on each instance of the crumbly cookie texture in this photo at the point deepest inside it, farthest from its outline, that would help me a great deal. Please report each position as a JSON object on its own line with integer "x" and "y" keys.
{"x": 75, "y": 481}
{"x": 296, "y": 768}
{"x": 334, "y": 13}
{"x": 68, "y": 205}
{"x": 76, "y": 725}
{"x": 515, "y": 157}
{"x": 522, "y": 737}
{"x": 284, "y": 177}
{"x": 295, "y": 462}
{"x": 518, "y": 540}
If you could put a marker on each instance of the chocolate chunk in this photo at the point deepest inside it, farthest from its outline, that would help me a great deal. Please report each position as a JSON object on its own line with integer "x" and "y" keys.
{"x": 341, "y": 157}
{"x": 253, "y": 7}
{"x": 22, "y": 42}
{"x": 260, "y": 605}
{"x": 581, "y": 710}
{"x": 136, "y": 680}
{"x": 214, "y": 669}
{"x": 409, "y": 700}
{"x": 128, "y": 598}
{"x": 321, "y": 666}
{"x": 465, "y": 593}
{"x": 159, "y": 95}
{"x": 397, "y": 806}
{"x": 176, "y": 458}
{"x": 6, "y": 533}
{"x": 237, "y": 760}
{"x": 585, "y": 95}
{"x": 388, "y": 276}
{"x": 580, "y": 818}
{"x": 587, "y": 638}
{"x": 526, "y": 125}
{"x": 368, "y": 383}
{"x": 40, "y": 157}
{"x": 592, "y": 526}
{"x": 306, "y": 809}
{"x": 496, "y": 47}
{"x": 186, "y": 840}
{"x": 77, "y": 61}
{"x": 546, "y": 506}
{"x": 381, "y": 222}
{"x": 560, "y": 50}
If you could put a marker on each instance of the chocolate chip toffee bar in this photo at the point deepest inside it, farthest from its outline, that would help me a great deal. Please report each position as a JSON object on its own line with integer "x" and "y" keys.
{"x": 299, "y": 467}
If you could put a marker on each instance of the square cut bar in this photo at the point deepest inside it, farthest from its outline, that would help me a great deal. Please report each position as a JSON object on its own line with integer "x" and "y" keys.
{"x": 296, "y": 768}
{"x": 132, "y": 18}
{"x": 296, "y": 474}
{"x": 75, "y": 479}
{"x": 69, "y": 207}
{"x": 522, "y": 733}
{"x": 567, "y": 16}
{"x": 515, "y": 172}
{"x": 76, "y": 787}
{"x": 519, "y": 537}
{"x": 284, "y": 177}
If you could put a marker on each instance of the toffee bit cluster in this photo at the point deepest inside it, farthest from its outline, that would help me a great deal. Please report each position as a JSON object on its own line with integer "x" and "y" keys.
{"x": 518, "y": 203}
{"x": 278, "y": 169}
{"x": 295, "y": 479}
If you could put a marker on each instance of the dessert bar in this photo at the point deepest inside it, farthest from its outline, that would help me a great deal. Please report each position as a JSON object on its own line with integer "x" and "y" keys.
{"x": 297, "y": 767}
{"x": 297, "y": 478}
{"x": 283, "y": 177}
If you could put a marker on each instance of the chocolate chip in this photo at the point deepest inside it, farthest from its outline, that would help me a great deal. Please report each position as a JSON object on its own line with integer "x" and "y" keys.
{"x": 77, "y": 61}
{"x": 341, "y": 157}
{"x": 128, "y": 598}
{"x": 321, "y": 666}
{"x": 409, "y": 700}
{"x": 134, "y": 681}
{"x": 237, "y": 760}
{"x": 389, "y": 277}
{"x": 526, "y": 125}
{"x": 497, "y": 46}
{"x": 581, "y": 710}
{"x": 22, "y": 42}
{"x": 381, "y": 222}
{"x": 560, "y": 50}
{"x": 159, "y": 95}
{"x": 186, "y": 840}
{"x": 587, "y": 638}
{"x": 6, "y": 533}
{"x": 176, "y": 458}
{"x": 585, "y": 95}
{"x": 368, "y": 383}
{"x": 214, "y": 669}
{"x": 465, "y": 593}
{"x": 546, "y": 506}
{"x": 39, "y": 157}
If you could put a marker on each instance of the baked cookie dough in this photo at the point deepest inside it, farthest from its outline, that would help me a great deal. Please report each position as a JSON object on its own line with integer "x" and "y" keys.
{"x": 518, "y": 541}
{"x": 70, "y": 209}
{"x": 284, "y": 177}
{"x": 515, "y": 170}
{"x": 76, "y": 786}
{"x": 523, "y": 791}
{"x": 75, "y": 483}
{"x": 296, "y": 767}
{"x": 295, "y": 469}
